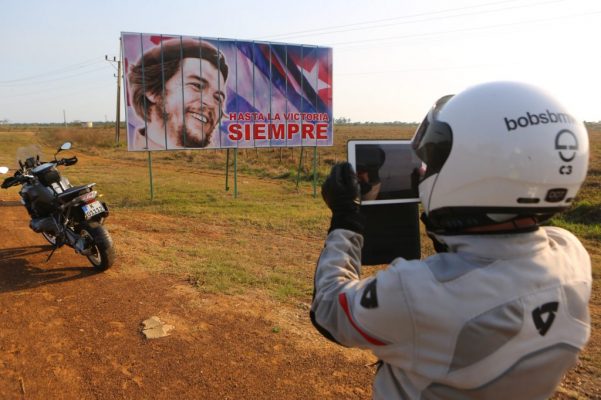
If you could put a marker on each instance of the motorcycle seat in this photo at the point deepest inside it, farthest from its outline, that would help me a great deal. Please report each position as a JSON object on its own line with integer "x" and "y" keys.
{"x": 73, "y": 192}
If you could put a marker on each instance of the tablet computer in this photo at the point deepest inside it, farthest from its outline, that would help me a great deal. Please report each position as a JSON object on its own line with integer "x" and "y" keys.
{"x": 388, "y": 170}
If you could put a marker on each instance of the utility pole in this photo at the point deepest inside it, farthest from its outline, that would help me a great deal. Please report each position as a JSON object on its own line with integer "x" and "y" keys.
{"x": 118, "y": 112}
{"x": 65, "y": 118}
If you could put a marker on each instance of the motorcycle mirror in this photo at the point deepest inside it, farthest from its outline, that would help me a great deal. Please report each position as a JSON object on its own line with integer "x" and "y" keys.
{"x": 66, "y": 146}
{"x": 3, "y": 170}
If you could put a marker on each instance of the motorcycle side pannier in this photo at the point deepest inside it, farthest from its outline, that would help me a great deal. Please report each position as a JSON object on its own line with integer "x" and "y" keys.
{"x": 38, "y": 199}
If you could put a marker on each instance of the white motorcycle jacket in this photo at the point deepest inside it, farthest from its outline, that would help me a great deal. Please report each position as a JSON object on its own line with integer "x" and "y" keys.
{"x": 496, "y": 317}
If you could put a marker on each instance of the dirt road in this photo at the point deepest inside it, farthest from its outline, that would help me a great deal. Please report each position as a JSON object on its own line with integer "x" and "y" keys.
{"x": 67, "y": 332}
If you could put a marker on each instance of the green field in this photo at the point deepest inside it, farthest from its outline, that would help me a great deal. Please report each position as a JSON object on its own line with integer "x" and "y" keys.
{"x": 268, "y": 236}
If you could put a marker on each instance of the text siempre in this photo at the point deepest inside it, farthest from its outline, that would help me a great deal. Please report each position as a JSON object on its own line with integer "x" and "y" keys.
{"x": 259, "y": 126}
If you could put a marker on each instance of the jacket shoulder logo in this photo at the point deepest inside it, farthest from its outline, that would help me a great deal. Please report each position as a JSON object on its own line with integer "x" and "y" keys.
{"x": 547, "y": 310}
{"x": 370, "y": 295}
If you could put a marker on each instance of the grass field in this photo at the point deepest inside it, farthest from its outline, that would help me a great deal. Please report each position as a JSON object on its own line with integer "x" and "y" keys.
{"x": 191, "y": 185}
{"x": 268, "y": 237}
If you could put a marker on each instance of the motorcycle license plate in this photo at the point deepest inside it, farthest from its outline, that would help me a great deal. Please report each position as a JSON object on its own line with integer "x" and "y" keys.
{"x": 92, "y": 209}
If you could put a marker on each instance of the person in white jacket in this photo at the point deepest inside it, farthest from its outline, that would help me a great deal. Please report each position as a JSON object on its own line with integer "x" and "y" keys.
{"x": 501, "y": 311}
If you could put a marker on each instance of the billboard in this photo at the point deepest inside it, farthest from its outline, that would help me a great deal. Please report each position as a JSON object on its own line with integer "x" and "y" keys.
{"x": 185, "y": 92}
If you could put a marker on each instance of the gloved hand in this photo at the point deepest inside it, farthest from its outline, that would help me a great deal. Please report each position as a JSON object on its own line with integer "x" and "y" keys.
{"x": 365, "y": 187}
{"x": 374, "y": 175}
{"x": 342, "y": 194}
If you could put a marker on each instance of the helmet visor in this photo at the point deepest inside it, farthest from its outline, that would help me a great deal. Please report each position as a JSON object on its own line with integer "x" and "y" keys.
{"x": 433, "y": 140}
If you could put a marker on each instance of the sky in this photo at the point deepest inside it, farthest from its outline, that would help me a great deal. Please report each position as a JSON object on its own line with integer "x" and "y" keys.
{"x": 392, "y": 58}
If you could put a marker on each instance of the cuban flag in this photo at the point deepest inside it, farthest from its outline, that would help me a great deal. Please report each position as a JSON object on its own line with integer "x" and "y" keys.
{"x": 278, "y": 81}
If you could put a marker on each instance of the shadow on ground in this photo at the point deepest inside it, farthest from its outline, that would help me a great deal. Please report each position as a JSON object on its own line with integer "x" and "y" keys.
{"x": 18, "y": 273}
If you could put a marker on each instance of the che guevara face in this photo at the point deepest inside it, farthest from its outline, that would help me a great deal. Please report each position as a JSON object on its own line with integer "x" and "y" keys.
{"x": 192, "y": 111}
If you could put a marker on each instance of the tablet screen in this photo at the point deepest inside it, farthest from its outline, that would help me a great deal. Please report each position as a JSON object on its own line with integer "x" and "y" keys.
{"x": 388, "y": 170}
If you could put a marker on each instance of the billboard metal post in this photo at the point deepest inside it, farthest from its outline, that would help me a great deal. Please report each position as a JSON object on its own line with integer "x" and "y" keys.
{"x": 150, "y": 175}
{"x": 300, "y": 165}
{"x": 236, "y": 172}
{"x": 315, "y": 172}
{"x": 227, "y": 169}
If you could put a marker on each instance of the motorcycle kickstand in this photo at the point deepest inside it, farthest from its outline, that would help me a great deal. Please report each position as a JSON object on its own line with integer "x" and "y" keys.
{"x": 51, "y": 253}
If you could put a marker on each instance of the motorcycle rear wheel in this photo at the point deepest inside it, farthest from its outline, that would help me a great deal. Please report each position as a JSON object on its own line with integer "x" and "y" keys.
{"x": 102, "y": 254}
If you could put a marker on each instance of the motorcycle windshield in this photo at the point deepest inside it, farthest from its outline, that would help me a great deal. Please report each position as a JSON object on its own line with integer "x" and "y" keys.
{"x": 32, "y": 150}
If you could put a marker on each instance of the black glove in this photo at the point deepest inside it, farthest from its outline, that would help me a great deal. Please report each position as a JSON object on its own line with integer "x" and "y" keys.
{"x": 374, "y": 175}
{"x": 8, "y": 182}
{"x": 365, "y": 187}
{"x": 342, "y": 194}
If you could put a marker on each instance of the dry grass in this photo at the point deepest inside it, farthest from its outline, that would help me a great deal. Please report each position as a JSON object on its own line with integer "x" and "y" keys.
{"x": 269, "y": 237}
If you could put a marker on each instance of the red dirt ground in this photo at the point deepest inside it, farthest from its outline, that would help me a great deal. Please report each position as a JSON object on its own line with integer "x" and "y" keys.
{"x": 67, "y": 332}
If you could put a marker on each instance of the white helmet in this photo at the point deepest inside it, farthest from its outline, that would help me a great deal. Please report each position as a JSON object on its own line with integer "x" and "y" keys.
{"x": 497, "y": 152}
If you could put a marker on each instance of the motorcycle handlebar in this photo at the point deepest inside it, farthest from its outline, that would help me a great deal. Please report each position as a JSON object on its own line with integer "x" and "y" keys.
{"x": 17, "y": 179}
{"x": 67, "y": 161}
{"x": 70, "y": 161}
{"x": 7, "y": 183}
{"x": 11, "y": 181}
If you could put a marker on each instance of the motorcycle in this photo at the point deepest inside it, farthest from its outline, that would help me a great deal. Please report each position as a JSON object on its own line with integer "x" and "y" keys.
{"x": 64, "y": 214}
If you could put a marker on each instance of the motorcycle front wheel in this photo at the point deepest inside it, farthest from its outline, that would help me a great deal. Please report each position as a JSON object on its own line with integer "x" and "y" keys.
{"x": 100, "y": 244}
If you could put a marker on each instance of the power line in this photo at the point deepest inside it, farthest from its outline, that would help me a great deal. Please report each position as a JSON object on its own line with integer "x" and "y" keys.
{"x": 487, "y": 27}
{"x": 332, "y": 29}
{"x": 420, "y": 69}
{"x": 80, "y": 64}
{"x": 50, "y": 94}
{"x": 482, "y": 12}
{"x": 387, "y": 19}
{"x": 15, "y": 85}
{"x": 57, "y": 89}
